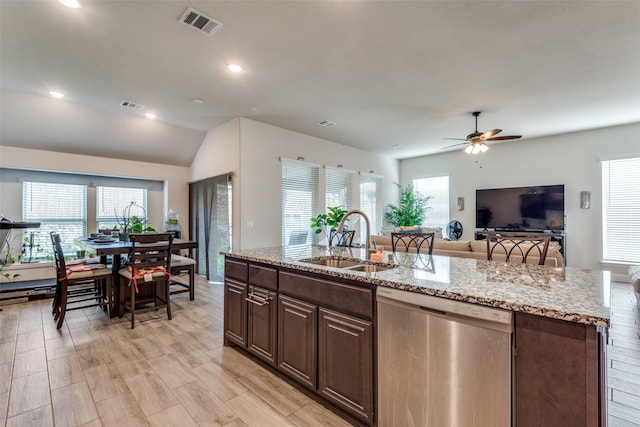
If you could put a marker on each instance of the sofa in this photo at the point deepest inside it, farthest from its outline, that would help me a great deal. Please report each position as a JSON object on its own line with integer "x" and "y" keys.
{"x": 475, "y": 249}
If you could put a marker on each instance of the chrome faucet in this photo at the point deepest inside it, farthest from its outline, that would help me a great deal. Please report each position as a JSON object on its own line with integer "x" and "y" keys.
{"x": 366, "y": 220}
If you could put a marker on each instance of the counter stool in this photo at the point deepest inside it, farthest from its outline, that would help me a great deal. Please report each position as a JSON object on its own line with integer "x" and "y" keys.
{"x": 422, "y": 242}
{"x": 516, "y": 249}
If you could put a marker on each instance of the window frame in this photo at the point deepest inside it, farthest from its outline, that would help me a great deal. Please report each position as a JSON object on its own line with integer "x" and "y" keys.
{"x": 438, "y": 201}
{"x": 621, "y": 233}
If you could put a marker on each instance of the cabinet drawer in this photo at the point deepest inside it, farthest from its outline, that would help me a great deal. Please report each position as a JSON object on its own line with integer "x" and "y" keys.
{"x": 264, "y": 277}
{"x": 235, "y": 269}
{"x": 339, "y": 296}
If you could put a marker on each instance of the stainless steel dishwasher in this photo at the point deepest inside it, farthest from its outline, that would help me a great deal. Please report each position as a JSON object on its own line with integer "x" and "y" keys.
{"x": 442, "y": 362}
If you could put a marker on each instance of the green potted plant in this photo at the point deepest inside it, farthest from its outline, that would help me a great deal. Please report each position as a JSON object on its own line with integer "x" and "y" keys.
{"x": 324, "y": 222}
{"x": 132, "y": 223}
{"x": 411, "y": 210}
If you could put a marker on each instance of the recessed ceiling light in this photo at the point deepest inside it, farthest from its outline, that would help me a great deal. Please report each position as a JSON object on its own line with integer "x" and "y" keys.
{"x": 235, "y": 68}
{"x": 71, "y": 3}
{"x": 150, "y": 116}
{"x": 56, "y": 94}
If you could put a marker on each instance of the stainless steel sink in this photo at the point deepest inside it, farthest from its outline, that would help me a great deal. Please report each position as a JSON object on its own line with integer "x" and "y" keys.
{"x": 332, "y": 262}
{"x": 369, "y": 268}
{"x": 348, "y": 264}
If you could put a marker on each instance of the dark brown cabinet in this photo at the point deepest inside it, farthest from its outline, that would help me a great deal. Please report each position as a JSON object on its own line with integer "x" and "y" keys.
{"x": 345, "y": 362}
{"x": 262, "y": 312}
{"x": 558, "y": 368}
{"x": 297, "y": 340}
{"x": 250, "y": 310}
{"x": 325, "y": 330}
{"x": 261, "y": 323}
{"x": 318, "y": 331}
{"x": 235, "y": 312}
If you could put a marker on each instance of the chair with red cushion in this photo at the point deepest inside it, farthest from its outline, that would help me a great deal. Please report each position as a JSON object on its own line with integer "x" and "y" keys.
{"x": 79, "y": 285}
{"x": 147, "y": 276}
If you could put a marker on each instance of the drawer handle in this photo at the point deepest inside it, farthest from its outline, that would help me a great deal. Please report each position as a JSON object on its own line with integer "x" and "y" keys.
{"x": 257, "y": 300}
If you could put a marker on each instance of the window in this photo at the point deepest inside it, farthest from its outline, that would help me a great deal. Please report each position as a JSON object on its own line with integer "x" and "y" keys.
{"x": 370, "y": 201}
{"x": 57, "y": 207}
{"x": 621, "y": 210}
{"x": 437, "y": 214}
{"x": 110, "y": 202}
{"x": 338, "y": 188}
{"x": 299, "y": 195}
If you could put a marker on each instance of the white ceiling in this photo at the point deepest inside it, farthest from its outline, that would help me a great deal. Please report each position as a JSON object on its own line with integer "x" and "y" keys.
{"x": 386, "y": 72}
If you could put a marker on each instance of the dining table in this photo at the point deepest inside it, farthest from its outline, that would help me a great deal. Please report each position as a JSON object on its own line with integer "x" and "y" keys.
{"x": 116, "y": 248}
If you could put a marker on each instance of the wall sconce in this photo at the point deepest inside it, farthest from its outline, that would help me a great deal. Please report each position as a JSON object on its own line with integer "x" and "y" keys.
{"x": 460, "y": 203}
{"x": 585, "y": 199}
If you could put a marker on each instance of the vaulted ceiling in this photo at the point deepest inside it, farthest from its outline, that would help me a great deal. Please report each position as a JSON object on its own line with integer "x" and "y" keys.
{"x": 387, "y": 73}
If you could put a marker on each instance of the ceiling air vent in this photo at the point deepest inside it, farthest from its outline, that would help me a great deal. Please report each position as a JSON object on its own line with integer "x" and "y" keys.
{"x": 132, "y": 105}
{"x": 326, "y": 123}
{"x": 200, "y": 21}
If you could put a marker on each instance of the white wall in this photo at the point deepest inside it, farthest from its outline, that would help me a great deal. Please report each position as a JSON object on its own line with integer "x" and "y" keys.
{"x": 571, "y": 159}
{"x": 261, "y": 147}
{"x": 219, "y": 154}
{"x": 252, "y": 151}
{"x": 176, "y": 178}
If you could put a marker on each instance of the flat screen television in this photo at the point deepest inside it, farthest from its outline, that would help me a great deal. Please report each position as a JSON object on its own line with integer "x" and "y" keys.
{"x": 538, "y": 208}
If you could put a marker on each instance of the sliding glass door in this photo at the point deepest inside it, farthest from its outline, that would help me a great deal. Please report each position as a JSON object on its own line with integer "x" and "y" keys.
{"x": 210, "y": 211}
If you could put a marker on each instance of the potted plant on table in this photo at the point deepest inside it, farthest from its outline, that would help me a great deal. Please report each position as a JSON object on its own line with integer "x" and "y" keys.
{"x": 411, "y": 210}
{"x": 132, "y": 223}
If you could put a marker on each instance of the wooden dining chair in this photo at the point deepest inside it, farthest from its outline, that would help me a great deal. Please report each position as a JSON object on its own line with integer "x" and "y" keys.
{"x": 516, "y": 249}
{"x": 79, "y": 285}
{"x": 147, "y": 276}
{"x": 404, "y": 242}
{"x": 179, "y": 265}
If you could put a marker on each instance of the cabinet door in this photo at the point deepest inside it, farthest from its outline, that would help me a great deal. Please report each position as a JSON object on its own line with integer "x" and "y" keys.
{"x": 297, "y": 340}
{"x": 235, "y": 312}
{"x": 345, "y": 362}
{"x": 261, "y": 333}
{"x": 556, "y": 373}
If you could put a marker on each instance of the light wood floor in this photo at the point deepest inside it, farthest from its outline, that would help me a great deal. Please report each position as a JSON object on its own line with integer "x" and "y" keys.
{"x": 623, "y": 358}
{"x": 96, "y": 371}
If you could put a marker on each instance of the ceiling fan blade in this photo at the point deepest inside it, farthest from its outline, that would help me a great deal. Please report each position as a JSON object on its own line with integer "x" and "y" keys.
{"x": 454, "y": 145}
{"x": 504, "y": 138}
{"x": 490, "y": 133}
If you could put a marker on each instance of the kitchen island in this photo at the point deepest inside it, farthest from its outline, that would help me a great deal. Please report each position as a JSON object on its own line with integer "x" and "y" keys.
{"x": 318, "y": 324}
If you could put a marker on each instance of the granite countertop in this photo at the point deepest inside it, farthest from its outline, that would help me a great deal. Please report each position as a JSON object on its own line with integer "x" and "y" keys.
{"x": 565, "y": 293}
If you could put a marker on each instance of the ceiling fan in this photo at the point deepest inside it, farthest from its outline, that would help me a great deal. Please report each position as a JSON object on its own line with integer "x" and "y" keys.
{"x": 476, "y": 140}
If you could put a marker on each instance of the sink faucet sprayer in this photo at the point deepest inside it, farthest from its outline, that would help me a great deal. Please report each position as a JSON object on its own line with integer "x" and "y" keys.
{"x": 366, "y": 220}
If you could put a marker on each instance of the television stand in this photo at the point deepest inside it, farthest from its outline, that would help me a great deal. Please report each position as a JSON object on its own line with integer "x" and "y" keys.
{"x": 555, "y": 236}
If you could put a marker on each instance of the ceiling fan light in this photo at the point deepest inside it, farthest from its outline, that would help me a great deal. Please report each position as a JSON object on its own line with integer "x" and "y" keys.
{"x": 483, "y": 147}
{"x": 476, "y": 148}
{"x": 468, "y": 149}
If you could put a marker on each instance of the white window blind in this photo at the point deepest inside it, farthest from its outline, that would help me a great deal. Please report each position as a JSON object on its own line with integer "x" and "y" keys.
{"x": 57, "y": 207}
{"x": 338, "y": 188}
{"x": 299, "y": 195}
{"x": 437, "y": 215}
{"x": 621, "y": 210}
{"x": 371, "y": 202}
{"x": 111, "y": 201}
